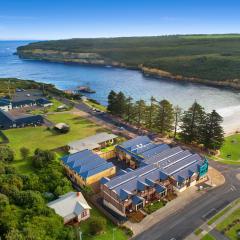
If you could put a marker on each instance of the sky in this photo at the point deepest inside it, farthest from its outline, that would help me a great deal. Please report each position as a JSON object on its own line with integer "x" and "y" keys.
{"x": 61, "y": 19}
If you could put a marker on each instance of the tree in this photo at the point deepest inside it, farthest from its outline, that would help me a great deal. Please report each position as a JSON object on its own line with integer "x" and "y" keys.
{"x": 177, "y": 113}
{"x": 6, "y": 154}
{"x": 140, "y": 108}
{"x": 120, "y": 104}
{"x": 213, "y": 135}
{"x": 151, "y": 113}
{"x": 24, "y": 152}
{"x": 165, "y": 117}
{"x": 42, "y": 157}
{"x": 97, "y": 225}
{"x": 192, "y": 124}
{"x": 129, "y": 109}
{"x": 112, "y": 102}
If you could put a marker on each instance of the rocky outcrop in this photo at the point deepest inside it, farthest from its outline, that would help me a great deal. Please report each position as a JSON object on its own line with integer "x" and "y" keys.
{"x": 234, "y": 84}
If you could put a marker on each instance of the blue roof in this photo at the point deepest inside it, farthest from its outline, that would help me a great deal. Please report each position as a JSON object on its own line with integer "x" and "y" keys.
{"x": 159, "y": 162}
{"x": 96, "y": 170}
{"x": 160, "y": 188}
{"x": 155, "y": 151}
{"x": 79, "y": 155}
{"x": 4, "y": 102}
{"x": 136, "y": 142}
{"x": 86, "y": 163}
{"x": 43, "y": 101}
{"x": 124, "y": 194}
{"x": 136, "y": 199}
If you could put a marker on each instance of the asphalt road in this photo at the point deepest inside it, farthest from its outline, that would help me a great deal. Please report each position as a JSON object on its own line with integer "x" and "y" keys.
{"x": 180, "y": 224}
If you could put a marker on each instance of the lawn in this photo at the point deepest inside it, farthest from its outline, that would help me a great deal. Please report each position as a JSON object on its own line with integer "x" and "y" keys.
{"x": 230, "y": 150}
{"x": 108, "y": 233}
{"x": 96, "y": 105}
{"x": 52, "y": 108}
{"x": 40, "y": 137}
{"x": 208, "y": 237}
{"x": 229, "y": 227}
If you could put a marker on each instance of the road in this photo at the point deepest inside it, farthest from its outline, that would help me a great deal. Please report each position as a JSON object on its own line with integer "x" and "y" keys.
{"x": 182, "y": 223}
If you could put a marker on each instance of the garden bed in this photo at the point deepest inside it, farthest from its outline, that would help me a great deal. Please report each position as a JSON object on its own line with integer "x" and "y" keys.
{"x": 154, "y": 206}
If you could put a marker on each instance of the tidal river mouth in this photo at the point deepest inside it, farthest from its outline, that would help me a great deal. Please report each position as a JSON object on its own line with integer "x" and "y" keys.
{"x": 131, "y": 82}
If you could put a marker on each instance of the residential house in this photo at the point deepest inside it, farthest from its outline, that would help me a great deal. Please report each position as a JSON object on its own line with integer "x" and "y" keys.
{"x": 9, "y": 121}
{"x": 86, "y": 168}
{"x": 72, "y": 207}
{"x": 95, "y": 142}
{"x": 5, "y": 104}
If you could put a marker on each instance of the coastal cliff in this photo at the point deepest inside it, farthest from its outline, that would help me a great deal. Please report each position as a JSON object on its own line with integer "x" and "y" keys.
{"x": 66, "y": 57}
{"x": 206, "y": 59}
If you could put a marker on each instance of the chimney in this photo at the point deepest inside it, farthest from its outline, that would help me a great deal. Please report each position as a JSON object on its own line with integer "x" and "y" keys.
{"x": 78, "y": 194}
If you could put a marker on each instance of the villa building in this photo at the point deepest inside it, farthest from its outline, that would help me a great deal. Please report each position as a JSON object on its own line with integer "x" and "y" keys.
{"x": 9, "y": 121}
{"x": 94, "y": 143}
{"x": 23, "y": 99}
{"x": 154, "y": 170}
{"x": 72, "y": 207}
{"x": 86, "y": 168}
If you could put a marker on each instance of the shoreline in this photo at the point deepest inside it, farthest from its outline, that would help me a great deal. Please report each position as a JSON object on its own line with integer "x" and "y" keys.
{"x": 146, "y": 71}
{"x": 231, "y": 122}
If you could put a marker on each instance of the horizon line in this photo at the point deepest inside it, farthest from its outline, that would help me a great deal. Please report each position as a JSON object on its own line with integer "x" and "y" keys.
{"x": 161, "y": 35}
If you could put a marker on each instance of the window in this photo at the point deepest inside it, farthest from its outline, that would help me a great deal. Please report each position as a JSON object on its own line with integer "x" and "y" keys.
{"x": 84, "y": 214}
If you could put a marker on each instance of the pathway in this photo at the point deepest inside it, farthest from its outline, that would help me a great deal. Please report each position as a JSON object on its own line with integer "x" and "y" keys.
{"x": 212, "y": 228}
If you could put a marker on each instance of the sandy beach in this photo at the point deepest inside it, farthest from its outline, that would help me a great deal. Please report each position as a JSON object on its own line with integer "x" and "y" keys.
{"x": 231, "y": 119}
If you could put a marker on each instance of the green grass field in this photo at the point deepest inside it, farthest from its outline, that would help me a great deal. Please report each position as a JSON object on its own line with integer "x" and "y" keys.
{"x": 208, "y": 237}
{"x": 230, "y": 153}
{"x": 40, "y": 137}
{"x": 95, "y": 105}
{"x": 232, "y": 232}
{"x": 52, "y": 108}
{"x": 107, "y": 234}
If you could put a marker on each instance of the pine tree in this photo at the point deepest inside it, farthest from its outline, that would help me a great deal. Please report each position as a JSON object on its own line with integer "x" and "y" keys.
{"x": 151, "y": 113}
{"x": 112, "y": 102}
{"x": 140, "y": 112}
{"x": 213, "y": 136}
{"x": 120, "y": 104}
{"x": 165, "y": 117}
{"x": 177, "y": 114}
{"x": 192, "y": 124}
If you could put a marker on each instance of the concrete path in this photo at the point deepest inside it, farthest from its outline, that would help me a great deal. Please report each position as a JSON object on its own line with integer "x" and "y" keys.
{"x": 172, "y": 207}
{"x": 212, "y": 228}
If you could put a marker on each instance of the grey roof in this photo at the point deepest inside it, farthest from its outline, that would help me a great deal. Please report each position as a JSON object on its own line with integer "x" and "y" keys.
{"x": 69, "y": 205}
{"x": 91, "y": 142}
{"x": 7, "y": 120}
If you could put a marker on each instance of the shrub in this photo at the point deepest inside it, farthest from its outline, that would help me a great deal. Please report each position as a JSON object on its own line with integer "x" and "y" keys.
{"x": 97, "y": 225}
{"x": 24, "y": 152}
{"x": 6, "y": 154}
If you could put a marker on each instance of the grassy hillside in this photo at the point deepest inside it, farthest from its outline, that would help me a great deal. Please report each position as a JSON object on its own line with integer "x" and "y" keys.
{"x": 207, "y": 57}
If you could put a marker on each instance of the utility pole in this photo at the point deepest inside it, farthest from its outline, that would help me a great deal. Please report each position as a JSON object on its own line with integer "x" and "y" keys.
{"x": 80, "y": 234}
{"x": 114, "y": 229}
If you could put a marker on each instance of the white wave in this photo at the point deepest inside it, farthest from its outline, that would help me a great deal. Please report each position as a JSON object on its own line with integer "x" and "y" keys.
{"x": 229, "y": 111}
